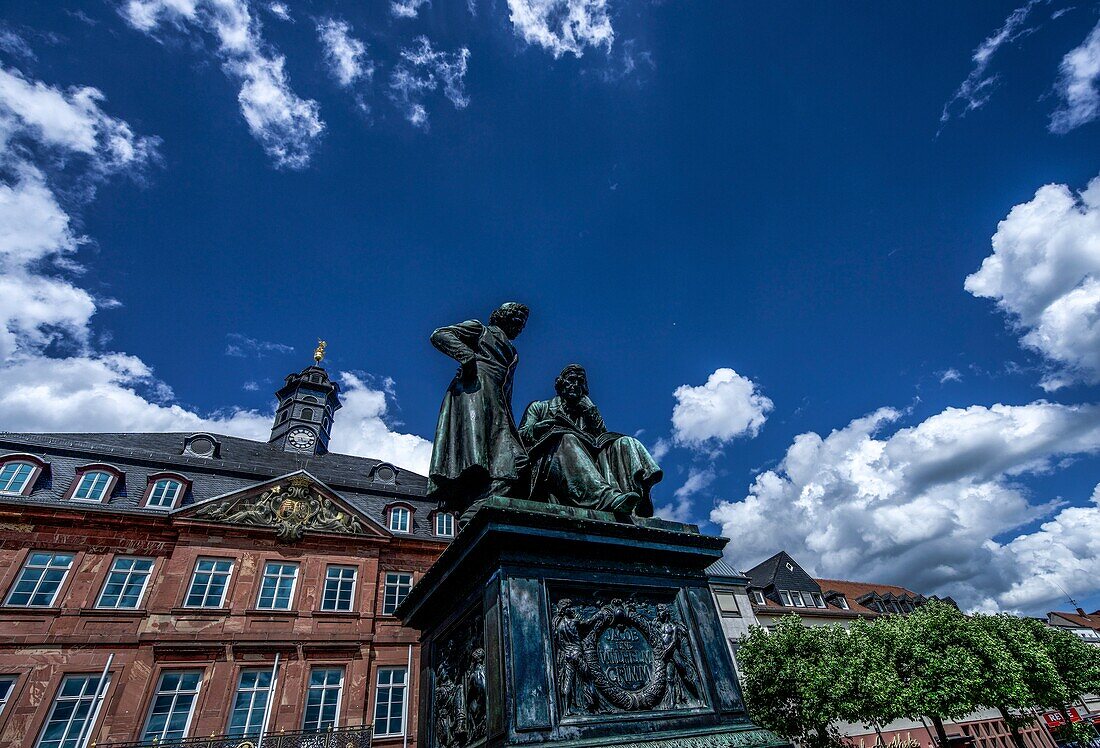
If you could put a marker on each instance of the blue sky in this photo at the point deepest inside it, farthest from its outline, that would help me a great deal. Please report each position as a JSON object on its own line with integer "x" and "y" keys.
{"x": 753, "y": 225}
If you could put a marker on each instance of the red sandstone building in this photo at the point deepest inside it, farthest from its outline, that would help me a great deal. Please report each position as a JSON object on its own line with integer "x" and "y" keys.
{"x": 159, "y": 587}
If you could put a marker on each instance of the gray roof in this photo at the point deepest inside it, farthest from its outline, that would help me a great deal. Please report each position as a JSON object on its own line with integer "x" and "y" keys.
{"x": 775, "y": 572}
{"x": 722, "y": 569}
{"x": 241, "y": 463}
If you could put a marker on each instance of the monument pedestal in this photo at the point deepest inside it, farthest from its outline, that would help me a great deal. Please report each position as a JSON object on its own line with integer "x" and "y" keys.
{"x": 556, "y": 626}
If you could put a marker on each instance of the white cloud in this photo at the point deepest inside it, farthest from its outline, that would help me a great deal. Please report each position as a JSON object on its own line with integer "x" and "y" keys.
{"x": 52, "y": 376}
{"x": 286, "y": 125}
{"x": 922, "y": 507}
{"x": 950, "y": 375}
{"x": 975, "y": 91}
{"x": 280, "y": 11}
{"x": 361, "y": 429}
{"x": 407, "y": 8}
{"x": 1078, "y": 85}
{"x": 421, "y": 71}
{"x": 680, "y": 509}
{"x": 1044, "y": 273}
{"x": 561, "y": 26}
{"x": 727, "y": 406}
{"x": 242, "y": 346}
{"x": 344, "y": 54}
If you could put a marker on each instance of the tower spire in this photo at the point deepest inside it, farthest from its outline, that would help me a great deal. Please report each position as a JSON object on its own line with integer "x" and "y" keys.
{"x": 308, "y": 402}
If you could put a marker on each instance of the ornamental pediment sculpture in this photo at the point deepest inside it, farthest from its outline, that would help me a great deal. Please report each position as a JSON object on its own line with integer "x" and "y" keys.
{"x": 291, "y": 509}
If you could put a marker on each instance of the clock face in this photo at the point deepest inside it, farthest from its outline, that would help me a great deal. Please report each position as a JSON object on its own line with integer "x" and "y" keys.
{"x": 301, "y": 439}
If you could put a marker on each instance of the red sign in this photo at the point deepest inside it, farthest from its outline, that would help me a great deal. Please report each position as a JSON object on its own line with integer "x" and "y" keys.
{"x": 1054, "y": 719}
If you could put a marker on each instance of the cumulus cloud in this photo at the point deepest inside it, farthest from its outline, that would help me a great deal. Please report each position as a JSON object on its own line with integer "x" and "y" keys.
{"x": 1078, "y": 85}
{"x": 975, "y": 91}
{"x": 925, "y": 505}
{"x": 727, "y": 406}
{"x": 52, "y": 375}
{"x": 361, "y": 427}
{"x": 421, "y": 71}
{"x": 286, "y": 125}
{"x": 344, "y": 54}
{"x": 280, "y": 11}
{"x": 1044, "y": 273}
{"x": 561, "y": 26}
{"x": 407, "y": 8}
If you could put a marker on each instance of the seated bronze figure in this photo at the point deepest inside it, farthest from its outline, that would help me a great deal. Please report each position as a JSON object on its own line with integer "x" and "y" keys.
{"x": 576, "y": 461}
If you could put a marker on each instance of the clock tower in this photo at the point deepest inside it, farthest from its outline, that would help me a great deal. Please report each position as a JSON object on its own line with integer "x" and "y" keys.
{"x": 307, "y": 404}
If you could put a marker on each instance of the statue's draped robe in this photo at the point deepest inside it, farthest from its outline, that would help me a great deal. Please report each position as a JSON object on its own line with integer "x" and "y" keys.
{"x": 476, "y": 440}
{"x": 578, "y": 462}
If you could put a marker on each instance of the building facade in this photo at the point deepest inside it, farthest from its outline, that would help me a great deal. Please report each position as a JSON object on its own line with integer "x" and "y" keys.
{"x": 158, "y": 587}
{"x": 780, "y": 587}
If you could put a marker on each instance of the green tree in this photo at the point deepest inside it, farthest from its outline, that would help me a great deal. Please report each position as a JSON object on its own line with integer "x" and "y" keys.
{"x": 1034, "y": 677}
{"x": 936, "y": 660}
{"x": 872, "y": 688}
{"x": 793, "y": 679}
{"x": 1078, "y": 666}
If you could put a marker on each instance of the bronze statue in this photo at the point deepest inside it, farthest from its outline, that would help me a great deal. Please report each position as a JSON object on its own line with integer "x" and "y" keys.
{"x": 477, "y": 451}
{"x": 576, "y": 461}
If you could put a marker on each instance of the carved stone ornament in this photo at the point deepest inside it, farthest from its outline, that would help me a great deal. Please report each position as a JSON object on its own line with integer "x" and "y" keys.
{"x": 459, "y": 705}
{"x": 289, "y": 509}
{"x": 615, "y": 656}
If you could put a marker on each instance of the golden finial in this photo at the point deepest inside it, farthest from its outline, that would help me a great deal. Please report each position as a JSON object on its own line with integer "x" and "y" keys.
{"x": 319, "y": 354}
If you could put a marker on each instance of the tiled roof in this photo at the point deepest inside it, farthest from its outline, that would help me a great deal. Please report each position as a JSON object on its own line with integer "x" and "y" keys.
{"x": 855, "y": 590}
{"x": 1087, "y": 621}
{"x": 241, "y": 463}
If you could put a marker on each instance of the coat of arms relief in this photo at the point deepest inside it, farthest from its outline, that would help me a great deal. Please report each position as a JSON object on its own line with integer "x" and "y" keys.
{"x": 290, "y": 509}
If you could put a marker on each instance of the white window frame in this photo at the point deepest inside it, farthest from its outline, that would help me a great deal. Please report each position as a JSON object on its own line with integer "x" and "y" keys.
{"x": 45, "y": 568}
{"x": 152, "y": 501}
{"x": 817, "y": 599}
{"x": 5, "y": 693}
{"x": 339, "y": 582}
{"x": 107, "y": 487}
{"x": 797, "y": 599}
{"x": 448, "y": 521}
{"x": 387, "y": 584}
{"x": 128, "y": 573}
{"x": 400, "y": 511}
{"x": 175, "y": 695}
{"x": 324, "y": 689}
{"x": 758, "y": 597}
{"x": 785, "y": 598}
{"x": 7, "y": 490}
{"x": 92, "y": 684}
{"x": 250, "y": 730}
{"x": 278, "y": 577}
{"x": 390, "y": 701}
{"x": 225, "y": 588}
{"x": 842, "y": 602}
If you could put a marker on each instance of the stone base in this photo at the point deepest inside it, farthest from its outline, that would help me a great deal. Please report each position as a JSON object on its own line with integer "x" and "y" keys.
{"x": 552, "y": 626}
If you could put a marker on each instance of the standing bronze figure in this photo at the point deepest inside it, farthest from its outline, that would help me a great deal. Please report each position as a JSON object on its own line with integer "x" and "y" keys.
{"x": 477, "y": 450}
{"x": 576, "y": 461}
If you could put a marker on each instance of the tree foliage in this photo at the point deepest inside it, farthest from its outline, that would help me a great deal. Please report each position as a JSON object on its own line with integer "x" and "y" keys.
{"x": 935, "y": 663}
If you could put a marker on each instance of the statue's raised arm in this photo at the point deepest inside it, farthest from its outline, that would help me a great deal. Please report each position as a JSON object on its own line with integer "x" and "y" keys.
{"x": 477, "y": 451}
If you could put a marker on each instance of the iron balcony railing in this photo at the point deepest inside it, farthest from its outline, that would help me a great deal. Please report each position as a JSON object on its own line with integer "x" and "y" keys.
{"x": 337, "y": 737}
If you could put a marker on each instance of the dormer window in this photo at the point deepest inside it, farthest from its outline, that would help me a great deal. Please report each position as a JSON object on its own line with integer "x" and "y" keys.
{"x": 819, "y": 601}
{"x": 841, "y": 602}
{"x": 400, "y": 519}
{"x": 165, "y": 491}
{"x": 445, "y": 525}
{"x": 18, "y": 474}
{"x": 94, "y": 483}
{"x": 202, "y": 445}
{"x": 758, "y": 597}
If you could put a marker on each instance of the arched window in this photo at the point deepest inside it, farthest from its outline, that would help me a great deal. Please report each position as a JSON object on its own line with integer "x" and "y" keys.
{"x": 93, "y": 485}
{"x": 284, "y": 415}
{"x": 310, "y": 399}
{"x": 164, "y": 491}
{"x": 307, "y": 414}
{"x": 15, "y": 476}
{"x": 400, "y": 519}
